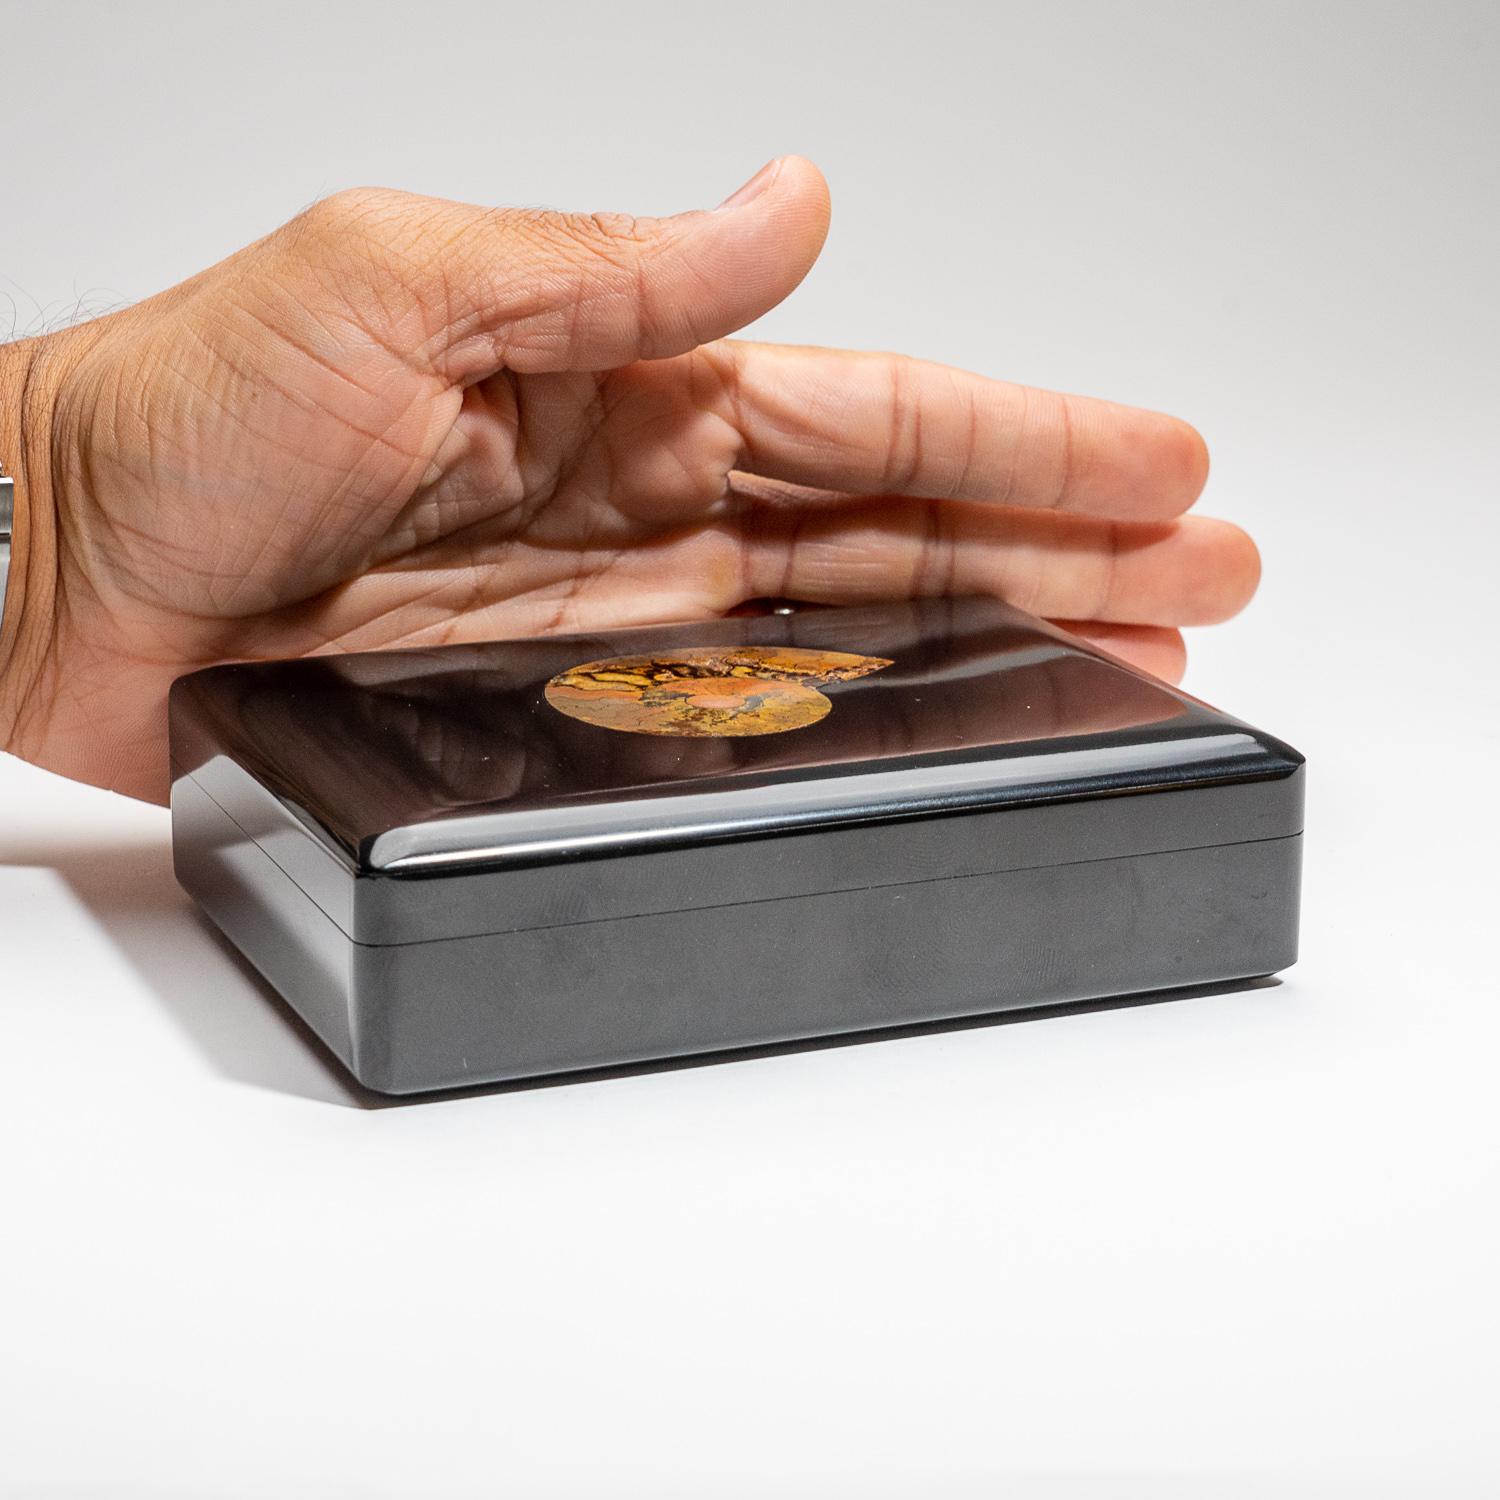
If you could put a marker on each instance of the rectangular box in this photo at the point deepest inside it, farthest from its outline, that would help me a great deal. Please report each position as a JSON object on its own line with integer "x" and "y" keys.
{"x": 488, "y": 862}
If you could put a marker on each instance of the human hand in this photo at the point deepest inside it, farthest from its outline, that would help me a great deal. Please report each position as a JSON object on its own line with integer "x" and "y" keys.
{"x": 398, "y": 421}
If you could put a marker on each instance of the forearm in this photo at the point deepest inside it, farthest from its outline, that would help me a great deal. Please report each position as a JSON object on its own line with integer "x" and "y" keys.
{"x": 25, "y": 447}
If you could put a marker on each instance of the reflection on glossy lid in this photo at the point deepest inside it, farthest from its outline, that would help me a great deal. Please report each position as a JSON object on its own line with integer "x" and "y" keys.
{"x": 401, "y": 757}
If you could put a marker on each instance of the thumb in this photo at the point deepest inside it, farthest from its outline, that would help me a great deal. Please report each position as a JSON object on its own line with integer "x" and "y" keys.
{"x": 470, "y": 291}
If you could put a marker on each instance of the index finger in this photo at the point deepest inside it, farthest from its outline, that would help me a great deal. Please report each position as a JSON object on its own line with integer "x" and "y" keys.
{"x": 862, "y": 422}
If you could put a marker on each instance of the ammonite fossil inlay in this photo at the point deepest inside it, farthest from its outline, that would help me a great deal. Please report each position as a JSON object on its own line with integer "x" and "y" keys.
{"x": 707, "y": 690}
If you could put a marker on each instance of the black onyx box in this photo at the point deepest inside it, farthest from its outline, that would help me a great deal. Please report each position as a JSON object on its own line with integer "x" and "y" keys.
{"x": 487, "y": 862}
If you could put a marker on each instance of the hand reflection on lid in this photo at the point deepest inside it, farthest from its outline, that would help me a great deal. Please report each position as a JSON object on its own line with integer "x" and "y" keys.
{"x": 367, "y": 743}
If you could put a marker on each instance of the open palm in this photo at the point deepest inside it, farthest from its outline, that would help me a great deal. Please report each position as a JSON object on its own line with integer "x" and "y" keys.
{"x": 399, "y": 421}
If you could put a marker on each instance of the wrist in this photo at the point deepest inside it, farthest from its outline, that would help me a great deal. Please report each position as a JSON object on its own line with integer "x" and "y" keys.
{"x": 30, "y": 597}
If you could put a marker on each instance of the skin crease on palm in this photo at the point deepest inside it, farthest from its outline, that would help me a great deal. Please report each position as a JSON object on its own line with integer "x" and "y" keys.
{"x": 398, "y": 421}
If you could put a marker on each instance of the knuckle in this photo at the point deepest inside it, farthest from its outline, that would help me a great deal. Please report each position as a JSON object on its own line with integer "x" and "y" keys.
{"x": 614, "y": 239}
{"x": 1107, "y": 582}
{"x": 904, "y": 443}
{"x": 346, "y": 208}
{"x": 355, "y": 216}
{"x": 323, "y": 224}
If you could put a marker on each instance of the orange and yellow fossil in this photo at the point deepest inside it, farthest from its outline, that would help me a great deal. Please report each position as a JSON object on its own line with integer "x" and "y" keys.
{"x": 707, "y": 690}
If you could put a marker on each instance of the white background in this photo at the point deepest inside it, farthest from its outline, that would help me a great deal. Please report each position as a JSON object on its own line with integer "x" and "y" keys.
{"x": 1232, "y": 1246}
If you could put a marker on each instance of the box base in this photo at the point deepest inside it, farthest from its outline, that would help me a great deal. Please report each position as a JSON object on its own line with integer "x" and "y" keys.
{"x": 585, "y": 996}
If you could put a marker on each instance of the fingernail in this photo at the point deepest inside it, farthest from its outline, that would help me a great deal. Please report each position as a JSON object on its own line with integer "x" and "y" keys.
{"x": 754, "y": 188}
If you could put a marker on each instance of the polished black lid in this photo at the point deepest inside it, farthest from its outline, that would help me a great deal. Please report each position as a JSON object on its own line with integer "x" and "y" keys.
{"x": 412, "y": 762}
